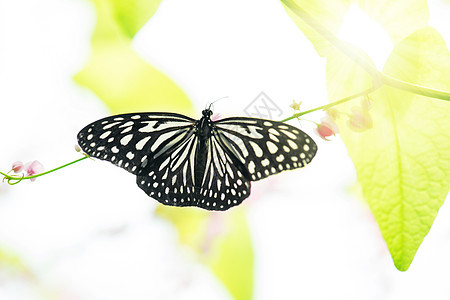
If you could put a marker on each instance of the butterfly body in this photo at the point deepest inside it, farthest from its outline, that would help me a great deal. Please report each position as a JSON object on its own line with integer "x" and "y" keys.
{"x": 180, "y": 161}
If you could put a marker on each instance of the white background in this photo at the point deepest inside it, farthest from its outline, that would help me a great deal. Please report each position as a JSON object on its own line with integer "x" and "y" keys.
{"x": 88, "y": 232}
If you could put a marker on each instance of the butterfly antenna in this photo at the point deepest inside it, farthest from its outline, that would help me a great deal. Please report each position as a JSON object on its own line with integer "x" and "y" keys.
{"x": 211, "y": 103}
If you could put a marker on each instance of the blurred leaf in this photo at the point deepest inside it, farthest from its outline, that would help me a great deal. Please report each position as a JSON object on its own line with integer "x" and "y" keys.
{"x": 323, "y": 13}
{"x": 119, "y": 77}
{"x": 403, "y": 161}
{"x": 13, "y": 262}
{"x": 402, "y": 158}
{"x": 131, "y": 15}
{"x": 221, "y": 240}
{"x": 232, "y": 260}
{"x": 400, "y": 18}
{"x": 320, "y": 20}
{"x": 126, "y": 83}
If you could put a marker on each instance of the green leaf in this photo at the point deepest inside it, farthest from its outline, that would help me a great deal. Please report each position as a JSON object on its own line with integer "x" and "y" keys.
{"x": 119, "y": 77}
{"x": 403, "y": 161}
{"x": 221, "y": 241}
{"x": 400, "y": 18}
{"x": 401, "y": 150}
{"x": 232, "y": 261}
{"x": 126, "y": 83}
{"x": 13, "y": 263}
{"x": 311, "y": 14}
{"x": 320, "y": 20}
{"x": 131, "y": 15}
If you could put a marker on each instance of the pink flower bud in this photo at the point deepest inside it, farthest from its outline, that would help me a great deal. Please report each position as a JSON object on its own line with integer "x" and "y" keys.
{"x": 17, "y": 166}
{"x": 325, "y": 130}
{"x": 360, "y": 120}
{"x": 34, "y": 168}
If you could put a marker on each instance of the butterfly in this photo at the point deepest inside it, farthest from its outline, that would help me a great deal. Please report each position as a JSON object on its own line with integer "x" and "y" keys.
{"x": 181, "y": 161}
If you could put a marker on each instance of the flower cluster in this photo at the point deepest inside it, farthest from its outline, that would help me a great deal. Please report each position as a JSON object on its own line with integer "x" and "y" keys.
{"x": 28, "y": 169}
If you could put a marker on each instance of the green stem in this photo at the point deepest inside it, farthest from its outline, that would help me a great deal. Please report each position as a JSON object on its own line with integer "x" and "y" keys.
{"x": 9, "y": 177}
{"x": 357, "y": 56}
{"x": 324, "y": 107}
{"x": 362, "y": 60}
{"x": 413, "y": 88}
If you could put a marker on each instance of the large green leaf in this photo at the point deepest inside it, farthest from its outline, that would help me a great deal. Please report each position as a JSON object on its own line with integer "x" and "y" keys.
{"x": 131, "y": 15}
{"x": 320, "y": 20}
{"x": 221, "y": 241}
{"x": 403, "y": 161}
{"x": 402, "y": 158}
{"x": 322, "y": 13}
{"x": 119, "y": 77}
{"x": 400, "y": 18}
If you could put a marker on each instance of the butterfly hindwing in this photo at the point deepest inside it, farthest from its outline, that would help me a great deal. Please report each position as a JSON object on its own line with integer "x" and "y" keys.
{"x": 170, "y": 179}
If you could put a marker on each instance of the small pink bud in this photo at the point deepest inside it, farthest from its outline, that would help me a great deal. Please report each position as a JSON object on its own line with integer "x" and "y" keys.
{"x": 360, "y": 120}
{"x": 77, "y": 148}
{"x": 17, "y": 166}
{"x": 34, "y": 168}
{"x": 325, "y": 130}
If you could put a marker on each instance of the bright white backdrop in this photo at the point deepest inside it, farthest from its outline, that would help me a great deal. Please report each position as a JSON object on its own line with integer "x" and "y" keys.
{"x": 88, "y": 232}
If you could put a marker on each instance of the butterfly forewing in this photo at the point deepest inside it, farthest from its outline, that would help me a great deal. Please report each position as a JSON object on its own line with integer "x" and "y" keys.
{"x": 266, "y": 147}
{"x": 131, "y": 140}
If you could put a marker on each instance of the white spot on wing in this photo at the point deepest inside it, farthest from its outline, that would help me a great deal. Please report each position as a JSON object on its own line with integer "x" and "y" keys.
{"x": 280, "y": 158}
{"x": 126, "y": 139}
{"x": 251, "y": 167}
{"x": 130, "y": 155}
{"x": 128, "y": 129}
{"x": 272, "y": 147}
{"x": 258, "y": 151}
{"x": 142, "y": 143}
{"x": 148, "y": 127}
{"x": 105, "y": 134}
{"x": 129, "y": 123}
{"x": 110, "y": 125}
{"x": 289, "y": 134}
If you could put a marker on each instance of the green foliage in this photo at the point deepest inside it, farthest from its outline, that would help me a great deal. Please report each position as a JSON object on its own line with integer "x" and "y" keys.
{"x": 13, "y": 263}
{"x": 402, "y": 160}
{"x": 131, "y": 15}
{"x": 221, "y": 241}
{"x": 123, "y": 80}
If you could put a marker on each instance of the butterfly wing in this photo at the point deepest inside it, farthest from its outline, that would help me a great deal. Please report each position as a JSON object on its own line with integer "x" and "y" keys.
{"x": 130, "y": 141}
{"x": 170, "y": 179}
{"x": 162, "y": 149}
{"x": 265, "y": 147}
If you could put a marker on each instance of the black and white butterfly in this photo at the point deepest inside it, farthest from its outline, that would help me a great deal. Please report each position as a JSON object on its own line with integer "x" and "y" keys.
{"x": 185, "y": 162}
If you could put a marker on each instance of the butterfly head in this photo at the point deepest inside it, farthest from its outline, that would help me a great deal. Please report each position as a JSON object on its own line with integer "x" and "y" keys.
{"x": 207, "y": 113}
